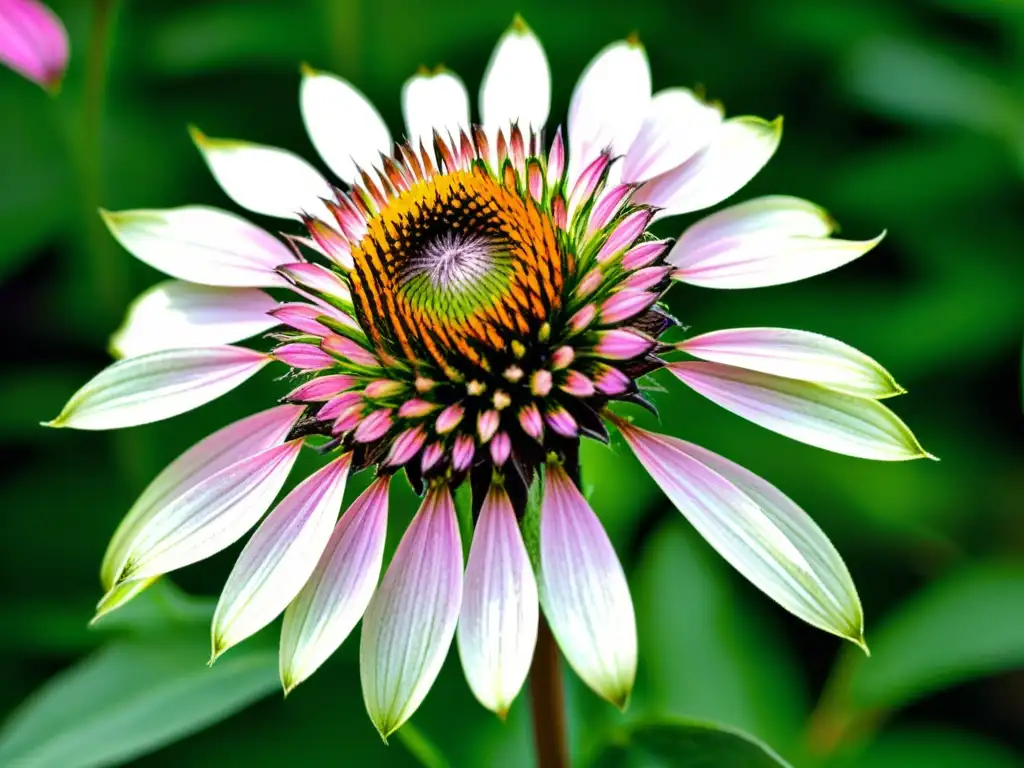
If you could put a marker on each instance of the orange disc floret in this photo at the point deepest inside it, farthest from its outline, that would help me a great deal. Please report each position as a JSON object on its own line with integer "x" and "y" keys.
{"x": 455, "y": 267}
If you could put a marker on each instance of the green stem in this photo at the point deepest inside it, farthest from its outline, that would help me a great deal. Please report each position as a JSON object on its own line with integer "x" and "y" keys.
{"x": 108, "y": 276}
{"x": 547, "y": 701}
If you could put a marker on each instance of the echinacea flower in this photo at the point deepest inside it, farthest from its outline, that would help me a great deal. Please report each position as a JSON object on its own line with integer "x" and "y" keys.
{"x": 33, "y": 42}
{"x": 472, "y": 303}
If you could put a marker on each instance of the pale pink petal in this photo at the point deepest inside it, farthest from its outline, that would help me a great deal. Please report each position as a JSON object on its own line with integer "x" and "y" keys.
{"x": 202, "y": 245}
{"x": 608, "y": 104}
{"x": 806, "y": 412}
{"x": 410, "y": 622}
{"x": 225, "y": 447}
{"x": 765, "y": 259}
{"x": 33, "y": 42}
{"x": 516, "y": 87}
{"x": 756, "y": 528}
{"x": 435, "y": 102}
{"x": 179, "y": 314}
{"x": 326, "y": 610}
{"x": 267, "y": 180}
{"x": 739, "y": 149}
{"x": 678, "y": 125}
{"x": 583, "y": 591}
{"x": 209, "y": 516}
{"x": 796, "y": 355}
{"x": 158, "y": 385}
{"x": 498, "y": 623}
{"x": 346, "y": 129}
{"x": 769, "y": 215}
{"x": 280, "y": 556}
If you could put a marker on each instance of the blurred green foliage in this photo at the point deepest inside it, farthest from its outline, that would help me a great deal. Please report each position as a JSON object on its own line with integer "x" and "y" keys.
{"x": 907, "y": 116}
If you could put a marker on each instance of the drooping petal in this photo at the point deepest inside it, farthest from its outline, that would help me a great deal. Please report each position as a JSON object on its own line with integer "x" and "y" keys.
{"x": 779, "y": 215}
{"x": 179, "y": 314}
{"x": 33, "y": 42}
{"x": 210, "y": 515}
{"x": 756, "y": 528}
{"x": 498, "y": 623}
{"x": 410, "y": 622}
{"x": 225, "y": 447}
{"x": 796, "y": 355}
{"x": 435, "y": 101}
{"x": 806, "y": 412}
{"x": 739, "y": 149}
{"x": 267, "y": 180}
{"x": 201, "y": 245}
{"x": 344, "y": 126}
{"x": 517, "y": 82}
{"x": 608, "y": 104}
{"x": 158, "y": 385}
{"x": 280, "y": 556}
{"x": 583, "y": 591}
{"x": 326, "y": 610}
{"x": 678, "y": 125}
{"x": 764, "y": 260}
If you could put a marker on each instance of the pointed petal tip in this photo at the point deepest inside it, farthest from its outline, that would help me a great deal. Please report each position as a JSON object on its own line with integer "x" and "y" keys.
{"x": 620, "y": 699}
{"x": 218, "y": 645}
{"x": 519, "y": 25}
{"x": 861, "y": 643}
{"x": 198, "y": 137}
{"x": 54, "y": 423}
{"x": 290, "y": 681}
{"x": 385, "y": 728}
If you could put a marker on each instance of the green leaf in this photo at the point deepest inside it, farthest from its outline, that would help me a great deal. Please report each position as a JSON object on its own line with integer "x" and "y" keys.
{"x": 963, "y": 626}
{"x": 706, "y": 651}
{"x": 935, "y": 748}
{"x": 131, "y": 698}
{"x": 420, "y": 747}
{"x": 689, "y": 743}
{"x": 922, "y": 82}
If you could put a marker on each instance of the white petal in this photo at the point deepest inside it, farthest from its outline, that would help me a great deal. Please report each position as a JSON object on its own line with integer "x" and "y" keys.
{"x": 267, "y": 180}
{"x": 584, "y": 593}
{"x": 434, "y": 102}
{"x": 333, "y": 600}
{"x": 762, "y": 260}
{"x": 201, "y": 245}
{"x": 179, "y": 314}
{"x": 225, "y": 447}
{"x": 211, "y": 515}
{"x": 796, "y": 355}
{"x": 678, "y": 125}
{"x": 608, "y": 104}
{"x": 740, "y": 148}
{"x": 158, "y": 385}
{"x": 280, "y": 556}
{"x": 410, "y": 622}
{"x": 345, "y": 128}
{"x": 806, "y": 412}
{"x": 778, "y": 215}
{"x": 517, "y": 83}
{"x": 498, "y": 624}
{"x": 757, "y": 529}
